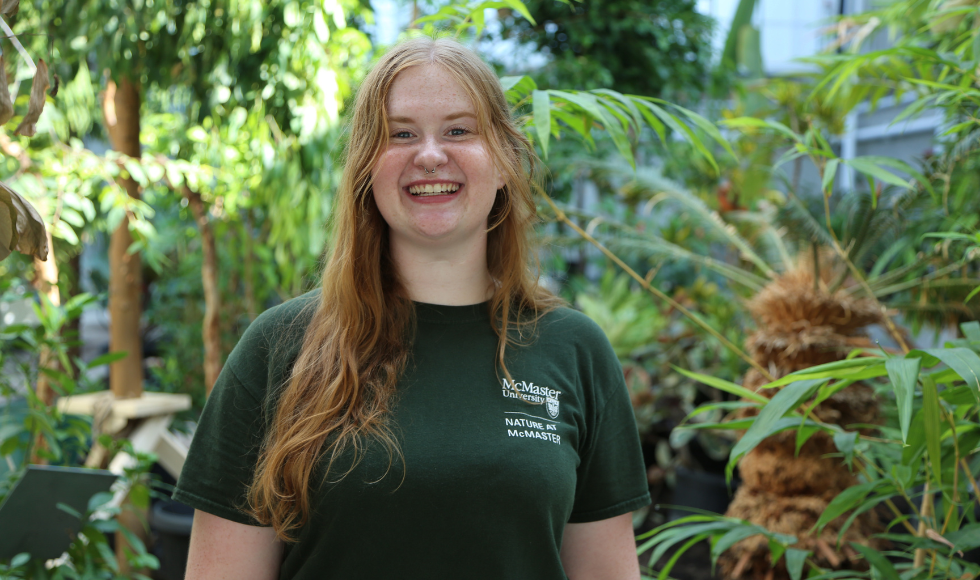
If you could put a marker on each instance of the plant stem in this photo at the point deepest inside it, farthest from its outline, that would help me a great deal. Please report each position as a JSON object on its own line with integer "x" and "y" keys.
{"x": 925, "y": 513}
{"x": 560, "y": 215}
{"x": 969, "y": 476}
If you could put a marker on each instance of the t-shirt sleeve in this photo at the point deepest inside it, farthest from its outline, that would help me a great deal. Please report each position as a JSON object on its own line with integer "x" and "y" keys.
{"x": 223, "y": 453}
{"x": 612, "y": 475}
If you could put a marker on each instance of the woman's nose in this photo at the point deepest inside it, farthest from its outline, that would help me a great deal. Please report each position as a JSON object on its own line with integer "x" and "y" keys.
{"x": 431, "y": 153}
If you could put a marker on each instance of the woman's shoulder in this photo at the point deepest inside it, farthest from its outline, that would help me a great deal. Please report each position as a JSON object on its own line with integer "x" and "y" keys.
{"x": 274, "y": 338}
{"x": 566, "y": 323}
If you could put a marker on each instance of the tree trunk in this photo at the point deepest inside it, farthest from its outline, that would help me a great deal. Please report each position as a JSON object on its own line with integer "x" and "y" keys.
{"x": 46, "y": 283}
{"x": 210, "y": 327}
{"x": 121, "y": 108}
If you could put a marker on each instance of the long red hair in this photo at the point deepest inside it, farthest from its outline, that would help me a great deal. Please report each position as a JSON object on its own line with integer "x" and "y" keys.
{"x": 357, "y": 343}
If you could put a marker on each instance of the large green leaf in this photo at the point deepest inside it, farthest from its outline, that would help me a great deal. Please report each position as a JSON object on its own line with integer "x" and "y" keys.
{"x": 904, "y": 375}
{"x": 964, "y": 361}
{"x": 878, "y": 561}
{"x": 785, "y": 401}
{"x": 723, "y": 385}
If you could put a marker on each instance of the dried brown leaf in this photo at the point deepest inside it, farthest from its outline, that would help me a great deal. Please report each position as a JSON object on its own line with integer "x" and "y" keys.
{"x": 26, "y": 234}
{"x": 934, "y": 535}
{"x": 6, "y": 105}
{"x": 39, "y": 89}
{"x": 8, "y": 228}
{"x": 7, "y": 7}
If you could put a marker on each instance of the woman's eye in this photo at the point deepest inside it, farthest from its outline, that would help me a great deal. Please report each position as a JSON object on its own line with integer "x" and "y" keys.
{"x": 402, "y": 135}
{"x": 458, "y": 131}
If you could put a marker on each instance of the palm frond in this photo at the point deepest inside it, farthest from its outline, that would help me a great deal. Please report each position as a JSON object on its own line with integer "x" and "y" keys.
{"x": 658, "y": 189}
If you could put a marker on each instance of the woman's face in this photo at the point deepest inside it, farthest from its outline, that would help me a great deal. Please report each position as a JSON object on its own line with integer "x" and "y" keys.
{"x": 433, "y": 127}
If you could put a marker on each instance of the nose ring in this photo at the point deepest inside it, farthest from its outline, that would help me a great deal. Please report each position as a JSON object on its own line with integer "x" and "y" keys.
{"x": 427, "y": 171}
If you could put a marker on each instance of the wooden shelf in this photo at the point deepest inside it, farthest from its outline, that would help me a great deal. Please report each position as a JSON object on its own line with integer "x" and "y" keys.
{"x": 146, "y": 405}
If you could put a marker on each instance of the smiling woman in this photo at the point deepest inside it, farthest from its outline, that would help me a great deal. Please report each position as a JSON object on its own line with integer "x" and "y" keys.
{"x": 430, "y": 411}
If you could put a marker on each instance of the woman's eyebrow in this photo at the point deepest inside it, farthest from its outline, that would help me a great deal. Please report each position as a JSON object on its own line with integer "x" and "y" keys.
{"x": 449, "y": 117}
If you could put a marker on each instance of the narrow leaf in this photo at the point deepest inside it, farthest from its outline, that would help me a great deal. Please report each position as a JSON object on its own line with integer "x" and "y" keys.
{"x": 933, "y": 429}
{"x": 904, "y": 375}
{"x": 844, "y": 501}
{"x": 867, "y": 167}
{"x": 723, "y": 385}
{"x": 785, "y": 401}
{"x": 877, "y": 561}
{"x": 542, "y": 119}
{"x": 107, "y": 358}
{"x": 829, "y": 172}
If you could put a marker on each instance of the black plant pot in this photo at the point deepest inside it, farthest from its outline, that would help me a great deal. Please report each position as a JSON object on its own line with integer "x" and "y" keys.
{"x": 700, "y": 490}
{"x": 172, "y": 521}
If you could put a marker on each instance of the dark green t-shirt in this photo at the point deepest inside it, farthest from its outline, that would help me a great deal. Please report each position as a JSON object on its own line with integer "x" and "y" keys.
{"x": 489, "y": 480}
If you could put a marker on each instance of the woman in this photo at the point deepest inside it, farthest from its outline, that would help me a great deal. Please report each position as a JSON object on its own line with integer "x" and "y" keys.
{"x": 429, "y": 412}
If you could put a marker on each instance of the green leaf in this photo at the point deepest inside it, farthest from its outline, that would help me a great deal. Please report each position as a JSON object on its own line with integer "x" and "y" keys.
{"x": 68, "y": 510}
{"x": 106, "y": 359}
{"x": 899, "y": 165}
{"x": 966, "y": 538}
{"x": 867, "y": 167}
{"x": 730, "y": 538}
{"x": 795, "y": 558}
{"x": 723, "y": 385}
{"x": 877, "y": 561}
{"x": 933, "y": 430}
{"x": 846, "y": 369}
{"x": 964, "y": 361}
{"x": 904, "y": 375}
{"x": 706, "y": 126}
{"x": 520, "y": 7}
{"x": 588, "y": 103}
{"x": 844, "y": 501}
{"x": 665, "y": 572}
{"x": 916, "y": 443}
{"x": 829, "y": 172}
{"x": 762, "y": 124}
{"x": 845, "y": 444}
{"x": 973, "y": 292}
{"x": 542, "y": 119}
{"x": 681, "y": 128}
{"x": 971, "y": 330}
{"x": 776, "y": 550}
{"x": 669, "y": 538}
{"x": 785, "y": 401}
{"x": 20, "y": 559}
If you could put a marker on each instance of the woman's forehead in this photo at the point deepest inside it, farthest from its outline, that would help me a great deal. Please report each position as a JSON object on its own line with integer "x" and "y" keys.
{"x": 428, "y": 91}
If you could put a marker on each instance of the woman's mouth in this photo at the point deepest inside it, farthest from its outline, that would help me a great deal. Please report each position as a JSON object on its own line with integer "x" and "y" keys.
{"x": 433, "y": 189}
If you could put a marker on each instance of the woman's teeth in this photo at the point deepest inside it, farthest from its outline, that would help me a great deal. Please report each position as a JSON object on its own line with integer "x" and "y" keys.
{"x": 433, "y": 189}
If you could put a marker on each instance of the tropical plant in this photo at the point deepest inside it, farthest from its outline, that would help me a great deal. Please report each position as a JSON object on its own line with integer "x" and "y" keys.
{"x": 915, "y": 474}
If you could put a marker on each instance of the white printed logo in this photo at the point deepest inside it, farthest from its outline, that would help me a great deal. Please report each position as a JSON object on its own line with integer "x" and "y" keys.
{"x": 532, "y": 393}
{"x": 553, "y": 407}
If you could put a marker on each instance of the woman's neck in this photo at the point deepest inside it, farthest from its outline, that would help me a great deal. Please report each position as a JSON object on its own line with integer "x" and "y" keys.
{"x": 453, "y": 276}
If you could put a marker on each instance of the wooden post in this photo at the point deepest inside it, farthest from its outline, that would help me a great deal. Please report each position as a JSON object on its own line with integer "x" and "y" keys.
{"x": 46, "y": 283}
{"x": 121, "y": 107}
